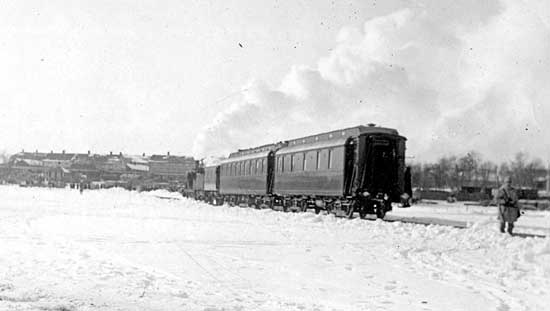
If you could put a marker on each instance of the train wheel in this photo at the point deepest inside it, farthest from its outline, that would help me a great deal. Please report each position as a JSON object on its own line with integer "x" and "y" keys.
{"x": 349, "y": 212}
{"x": 331, "y": 209}
{"x": 317, "y": 210}
{"x": 303, "y": 207}
{"x": 380, "y": 213}
{"x": 350, "y": 209}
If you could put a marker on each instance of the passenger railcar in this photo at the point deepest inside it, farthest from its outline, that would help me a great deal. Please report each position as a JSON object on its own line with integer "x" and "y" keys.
{"x": 358, "y": 169}
{"x": 246, "y": 177}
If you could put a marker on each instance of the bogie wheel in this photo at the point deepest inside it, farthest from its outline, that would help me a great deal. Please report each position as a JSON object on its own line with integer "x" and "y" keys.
{"x": 349, "y": 212}
{"x": 317, "y": 210}
{"x": 380, "y": 213}
{"x": 352, "y": 208}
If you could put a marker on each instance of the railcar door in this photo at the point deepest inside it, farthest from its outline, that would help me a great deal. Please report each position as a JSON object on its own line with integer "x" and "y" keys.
{"x": 381, "y": 171}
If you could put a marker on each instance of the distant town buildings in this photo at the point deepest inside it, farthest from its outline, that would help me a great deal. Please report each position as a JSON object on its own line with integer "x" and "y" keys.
{"x": 59, "y": 169}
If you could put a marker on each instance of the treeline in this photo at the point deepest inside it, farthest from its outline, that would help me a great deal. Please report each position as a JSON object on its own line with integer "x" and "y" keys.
{"x": 454, "y": 172}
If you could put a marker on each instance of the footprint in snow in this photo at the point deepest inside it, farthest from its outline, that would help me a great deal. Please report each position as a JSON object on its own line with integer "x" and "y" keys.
{"x": 5, "y": 287}
{"x": 183, "y": 295}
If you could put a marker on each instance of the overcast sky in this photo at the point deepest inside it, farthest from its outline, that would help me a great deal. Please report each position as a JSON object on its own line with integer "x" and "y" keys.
{"x": 205, "y": 77}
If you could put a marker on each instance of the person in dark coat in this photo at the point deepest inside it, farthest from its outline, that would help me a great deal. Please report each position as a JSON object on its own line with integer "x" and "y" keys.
{"x": 508, "y": 208}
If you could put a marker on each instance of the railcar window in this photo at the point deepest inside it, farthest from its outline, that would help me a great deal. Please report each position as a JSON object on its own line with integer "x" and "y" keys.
{"x": 298, "y": 162}
{"x": 310, "y": 161}
{"x": 329, "y": 159}
{"x": 258, "y": 169}
{"x": 323, "y": 159}
{"x": 292, "y": 164}
{"x": 287, "y": 166}
{"x": 338, "y": 158}
{"x": 318, "y": 160}
{"x": 263, "y": 166}
{"x": 240, "y": 172}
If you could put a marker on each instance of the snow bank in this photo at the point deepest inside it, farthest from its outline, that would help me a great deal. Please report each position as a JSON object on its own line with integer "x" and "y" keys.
{"x": 120, "y": 250}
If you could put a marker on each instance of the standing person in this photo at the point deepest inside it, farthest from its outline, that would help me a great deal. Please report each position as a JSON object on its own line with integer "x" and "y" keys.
{"x": 508, "y": 208}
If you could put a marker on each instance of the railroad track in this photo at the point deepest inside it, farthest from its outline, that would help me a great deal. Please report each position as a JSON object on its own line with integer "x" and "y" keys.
{"x": 446, "y": 222}
{"x": 424, "y": 221}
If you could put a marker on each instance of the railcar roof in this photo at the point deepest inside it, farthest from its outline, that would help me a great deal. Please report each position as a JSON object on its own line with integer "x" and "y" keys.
{"x": 246, "y": 156}
{"x": 347, "y": 132}
{"x": 255, "y": 152}
{"x": 339, "y": 141}
{"x": 332, "y": 137}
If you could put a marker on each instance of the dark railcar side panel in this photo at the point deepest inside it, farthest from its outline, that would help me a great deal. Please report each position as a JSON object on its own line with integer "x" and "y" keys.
{"x": 243, "y": 184}
{"x": 198, "y": 185}
{"x": 211, "y": 175}
{"x": 328, "y": 183}
{"x": 326, "y": 179}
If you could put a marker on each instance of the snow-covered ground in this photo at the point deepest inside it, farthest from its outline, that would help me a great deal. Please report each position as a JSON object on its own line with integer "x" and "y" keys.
{"x": 531, "y": 222}
{"x": 120, "y": 250}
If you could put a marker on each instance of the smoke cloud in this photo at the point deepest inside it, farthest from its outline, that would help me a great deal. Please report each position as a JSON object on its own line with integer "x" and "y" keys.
{"x": 450, "y": 76}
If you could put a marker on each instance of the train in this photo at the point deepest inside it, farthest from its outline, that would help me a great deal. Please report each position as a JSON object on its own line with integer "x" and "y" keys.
{"x": 359, "y": 169}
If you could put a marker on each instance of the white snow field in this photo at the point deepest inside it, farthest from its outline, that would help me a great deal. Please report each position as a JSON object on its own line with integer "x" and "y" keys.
{"x": 120, "y": 250}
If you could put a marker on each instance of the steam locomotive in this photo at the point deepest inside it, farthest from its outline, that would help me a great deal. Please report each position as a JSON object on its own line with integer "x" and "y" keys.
{"x": 359, "y": 169}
